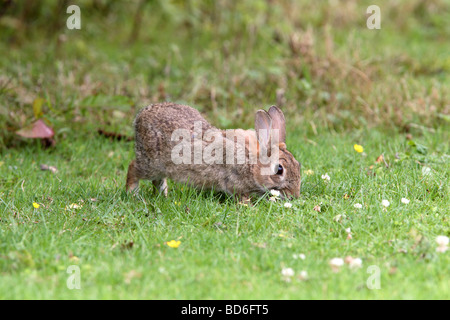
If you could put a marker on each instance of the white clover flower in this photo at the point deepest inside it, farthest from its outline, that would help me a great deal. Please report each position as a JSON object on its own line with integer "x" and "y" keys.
{"x": 385, "y": 203}
{"x": 162, "y": 270}
{"x": 303, "y": 275}
{"x": 336, "y": 263}
{"x": 348, "y": 230}
{"x": 442, "y": 240}
{"x": 275, "y": 193}
{"x": 299, "y": 256}
{"x": 73, "y": 206}
{"x": 358, "y": 205}
{"x": 326, "y": 177}
{"x": 426, "y": 171}
{"x": 287, "y": 272}
{"x": 355, "y": 263}
{"x": 405, "y": 201}
{"x": 288, "y": 205}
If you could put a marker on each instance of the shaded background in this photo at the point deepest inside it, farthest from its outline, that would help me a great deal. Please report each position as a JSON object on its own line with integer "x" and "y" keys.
{"x": 317, "y": 60}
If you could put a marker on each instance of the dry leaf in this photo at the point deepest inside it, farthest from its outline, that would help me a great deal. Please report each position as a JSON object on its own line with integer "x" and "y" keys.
{"x": 45, "y": 167}
{"x": 259, "y": 245}
{"x": 37, "y": 130}
{"x": 380, "y": 159}
{"x": 37, "y": 107}
{"x": 113, "y": 135}
{"x": 127, "y": 245}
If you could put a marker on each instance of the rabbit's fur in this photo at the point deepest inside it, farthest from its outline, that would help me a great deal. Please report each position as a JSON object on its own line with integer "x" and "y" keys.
{"x": 155, "y": 125}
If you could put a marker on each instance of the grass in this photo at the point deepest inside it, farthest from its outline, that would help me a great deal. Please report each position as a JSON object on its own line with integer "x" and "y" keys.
{"x": 227, "y": 251}
{"x": 338, "y": 83}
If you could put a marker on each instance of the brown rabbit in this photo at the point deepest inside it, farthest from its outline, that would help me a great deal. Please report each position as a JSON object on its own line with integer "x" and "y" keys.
{"x": 164, "y": 130}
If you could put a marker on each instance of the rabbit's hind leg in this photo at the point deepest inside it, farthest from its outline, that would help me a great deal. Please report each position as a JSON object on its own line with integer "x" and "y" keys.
{"x": 161, "y": 185}
{"x": 132, "y": 177}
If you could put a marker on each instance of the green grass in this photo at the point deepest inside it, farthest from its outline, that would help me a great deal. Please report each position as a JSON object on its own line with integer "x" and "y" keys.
{"x": 340, "y": 84}
{"x": 227, "y": 250}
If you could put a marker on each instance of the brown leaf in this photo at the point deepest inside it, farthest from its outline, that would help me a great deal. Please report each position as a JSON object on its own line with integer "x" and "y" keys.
{"x": 380, "y": 159}
{"x": 45, "y": 167}
{"x": 48, "y": 142}
{"x": 113, "y": 135}
{"x": 262, "y": 245}
{"x": 127, "y": 245}
{"x": 393, "y": 270}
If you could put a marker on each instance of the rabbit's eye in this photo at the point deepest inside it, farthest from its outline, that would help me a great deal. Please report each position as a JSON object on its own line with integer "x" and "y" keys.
{"x": 280, "y": 169}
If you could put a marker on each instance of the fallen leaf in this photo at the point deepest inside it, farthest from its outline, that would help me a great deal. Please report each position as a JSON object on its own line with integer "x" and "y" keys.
{"x": 259, "y": 245}
{"x": 127, "y": 245}
{"x": 380, "y": 159}
{"x": 37, "y": 130}
{"x": 113, "y": 135}
{"x": 37, "y": 107}
{"x": 45, "y": 167}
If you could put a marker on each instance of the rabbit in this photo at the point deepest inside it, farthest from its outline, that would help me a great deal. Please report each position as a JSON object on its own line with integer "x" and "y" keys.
{"x": 157, "y": 153}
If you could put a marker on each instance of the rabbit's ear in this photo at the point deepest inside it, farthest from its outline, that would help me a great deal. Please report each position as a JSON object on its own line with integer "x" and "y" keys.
{"x": 263, "y": 124}
{"x": 278, "y": 123}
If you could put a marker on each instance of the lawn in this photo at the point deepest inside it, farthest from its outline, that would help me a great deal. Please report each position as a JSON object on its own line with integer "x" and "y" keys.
{"x": 339, "y": 84}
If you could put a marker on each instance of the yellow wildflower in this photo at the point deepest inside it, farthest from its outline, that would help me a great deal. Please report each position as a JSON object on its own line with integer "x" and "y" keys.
{"x": 36, "y": 205}
{"x": 173, "y": 243}
{"x": 74, "y": 259}
{"x": 358, "y": 148}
